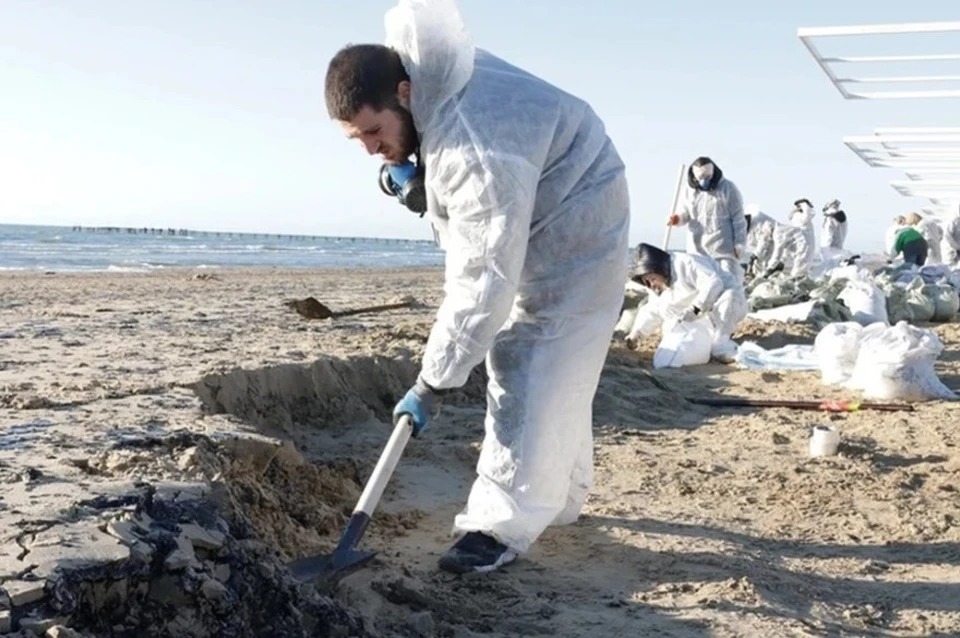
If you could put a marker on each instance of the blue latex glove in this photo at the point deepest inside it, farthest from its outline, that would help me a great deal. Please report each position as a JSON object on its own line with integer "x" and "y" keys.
{"x": 421, "y": 403}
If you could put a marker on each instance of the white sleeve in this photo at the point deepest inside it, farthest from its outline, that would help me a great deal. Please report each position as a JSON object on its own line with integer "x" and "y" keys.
{"x": 648, "y": 319}
{"x": 490, "y": 206}
{"x": 685, "y": 205}
{"x": 737, "y": 218}
{"x": 952, "y": 233}
{"x": 707, "y": 283}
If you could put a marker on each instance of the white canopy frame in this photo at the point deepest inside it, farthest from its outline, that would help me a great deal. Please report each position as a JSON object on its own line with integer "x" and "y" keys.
{"x": 928, "y": 156}
{"x": 843, "y": 84}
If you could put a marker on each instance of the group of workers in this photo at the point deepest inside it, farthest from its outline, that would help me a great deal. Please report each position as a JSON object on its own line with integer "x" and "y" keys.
{"x": 708, "y": 280}
{"x": 925, "y": 241}
{"x": 528, "y": 196}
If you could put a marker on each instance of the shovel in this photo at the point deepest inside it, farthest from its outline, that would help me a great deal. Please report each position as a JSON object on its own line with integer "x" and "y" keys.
{"x": 313, "y": 309}
{"x": 346, "y": 557}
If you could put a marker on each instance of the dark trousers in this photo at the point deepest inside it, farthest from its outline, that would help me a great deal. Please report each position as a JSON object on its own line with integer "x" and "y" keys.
{"x": 915, "y": 252}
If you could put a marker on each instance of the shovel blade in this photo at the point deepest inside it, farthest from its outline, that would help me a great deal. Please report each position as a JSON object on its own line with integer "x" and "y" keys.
{"x": 312, "y": 568}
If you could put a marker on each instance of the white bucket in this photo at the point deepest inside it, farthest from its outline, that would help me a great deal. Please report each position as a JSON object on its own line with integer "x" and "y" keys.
{"x": 824, "y": 441}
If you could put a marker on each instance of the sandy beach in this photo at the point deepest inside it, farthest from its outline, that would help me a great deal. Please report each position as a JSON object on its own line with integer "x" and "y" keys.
{"x": 169, "y": 440}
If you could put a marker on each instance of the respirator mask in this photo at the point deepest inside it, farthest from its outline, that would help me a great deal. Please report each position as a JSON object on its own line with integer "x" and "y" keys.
{"x": 406, "y": 182}
{"x": 704, "y": 175}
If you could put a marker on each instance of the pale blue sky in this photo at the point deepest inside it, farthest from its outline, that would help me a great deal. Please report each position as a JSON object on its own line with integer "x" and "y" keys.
{"x": 210, "y": 114}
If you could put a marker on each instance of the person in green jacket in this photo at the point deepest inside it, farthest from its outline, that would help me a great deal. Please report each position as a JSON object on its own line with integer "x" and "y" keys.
{"x": 908, "y": 241}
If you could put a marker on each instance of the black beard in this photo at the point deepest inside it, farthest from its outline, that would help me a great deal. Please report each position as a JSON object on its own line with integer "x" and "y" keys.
{"x": 409, "y": 139}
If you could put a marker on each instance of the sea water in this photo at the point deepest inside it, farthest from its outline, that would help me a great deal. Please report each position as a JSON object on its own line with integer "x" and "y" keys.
{"x": 57, "y": 248}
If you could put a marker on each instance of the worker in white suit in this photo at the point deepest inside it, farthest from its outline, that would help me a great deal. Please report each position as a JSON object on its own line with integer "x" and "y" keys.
{"x": 932, "y": 232}
{"x": 950, "y": 247}
{"x": 712, "y": 210}
{"x": 530, "y": 200}
{"x": 801, "y": 216}
{"x": 775, "y": 246}
{"x": 689, "y": 286}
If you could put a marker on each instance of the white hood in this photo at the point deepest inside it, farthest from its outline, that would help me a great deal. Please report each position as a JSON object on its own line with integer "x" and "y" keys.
{"x": 436, "y": 51}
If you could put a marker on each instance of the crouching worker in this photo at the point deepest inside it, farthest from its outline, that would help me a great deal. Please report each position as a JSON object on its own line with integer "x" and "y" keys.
{"x": 688, "y": 286}
{"x": 907, "y": 240}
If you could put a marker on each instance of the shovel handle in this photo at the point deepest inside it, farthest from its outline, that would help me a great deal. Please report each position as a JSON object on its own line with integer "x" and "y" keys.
{"x": 676, "y": 200}
{"x": 389, "y": 458}
{"x": 362, "y": 311}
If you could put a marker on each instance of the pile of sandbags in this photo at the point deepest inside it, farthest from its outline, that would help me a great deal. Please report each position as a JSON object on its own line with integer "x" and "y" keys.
{"x": 798, "y": 299}
{"x": 778, "y": 290}
{"x": 850, "y": 292}
{"x": 884, "y": 362}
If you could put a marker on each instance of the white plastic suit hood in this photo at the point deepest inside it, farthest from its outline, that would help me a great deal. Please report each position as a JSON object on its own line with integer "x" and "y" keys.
{"x": 435, "y": 49}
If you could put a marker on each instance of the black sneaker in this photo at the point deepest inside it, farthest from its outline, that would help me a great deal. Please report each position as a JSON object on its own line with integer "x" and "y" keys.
{"x": 476, "y": 552}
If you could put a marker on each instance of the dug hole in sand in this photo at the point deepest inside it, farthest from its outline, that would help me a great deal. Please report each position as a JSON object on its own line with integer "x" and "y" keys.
{"x": 337, "y": 414}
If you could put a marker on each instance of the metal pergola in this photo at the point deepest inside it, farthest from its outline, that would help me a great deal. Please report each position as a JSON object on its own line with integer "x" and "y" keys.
{"x": 842, "y": 84}
{"x": 928, "y": 156}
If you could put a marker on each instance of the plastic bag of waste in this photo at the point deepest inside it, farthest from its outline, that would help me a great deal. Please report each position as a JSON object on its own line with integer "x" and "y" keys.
{"x": 936, "y": 274}
{"x": 828, "y": 290}
{"x": 946, "y": 301}
{"x": 922, "y": 307}
{"x": 827, "y": 311}
{"x": 836, "y": 348}
{"x": 794, "y": 357}
{"x": 684, "y": 343}
{"x": 897, "y": 307}
{"x": 779, "y": 290}
{"x": 769, "y": 294}
{"x": 896, "y": 363}
{"x": 867, "y": 302}
{"x": 851, "y": 273}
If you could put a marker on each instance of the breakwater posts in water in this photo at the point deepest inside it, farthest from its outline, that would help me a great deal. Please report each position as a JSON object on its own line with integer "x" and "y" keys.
{"x": 184, "y": 232}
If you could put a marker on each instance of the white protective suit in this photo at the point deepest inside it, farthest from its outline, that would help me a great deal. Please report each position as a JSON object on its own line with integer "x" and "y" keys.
{"x": 933, "y": 233}
{"x": 697, "y": 281}
{"x": 951, "y": 241}
{"x": 833, "y": 234}
{"x": 802, "y": 218}
{"x": 529, "y": 197}
{"x": 772, "y": 242}
{"x": 715, "y": 220}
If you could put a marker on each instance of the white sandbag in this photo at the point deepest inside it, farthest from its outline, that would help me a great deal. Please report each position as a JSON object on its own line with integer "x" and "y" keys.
{"x": 866, "y": 302}
{"x": 851, "y": 272}
{"x": 836, "y": 348}
{"x": 896, "y": 363}
{"x": 684, "y": 343}
{"x": 922, "y": 307}
{"x": 946, "y": 301}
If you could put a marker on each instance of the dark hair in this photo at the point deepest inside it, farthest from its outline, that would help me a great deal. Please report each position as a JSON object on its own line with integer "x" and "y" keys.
{"x": 651, "y": 260}
{"x": 362, "y": 75}
{"x": 702, "y": 161}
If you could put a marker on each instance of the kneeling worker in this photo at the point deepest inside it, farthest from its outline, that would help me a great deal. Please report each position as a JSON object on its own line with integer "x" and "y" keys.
{"x": 689, "y": 286}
